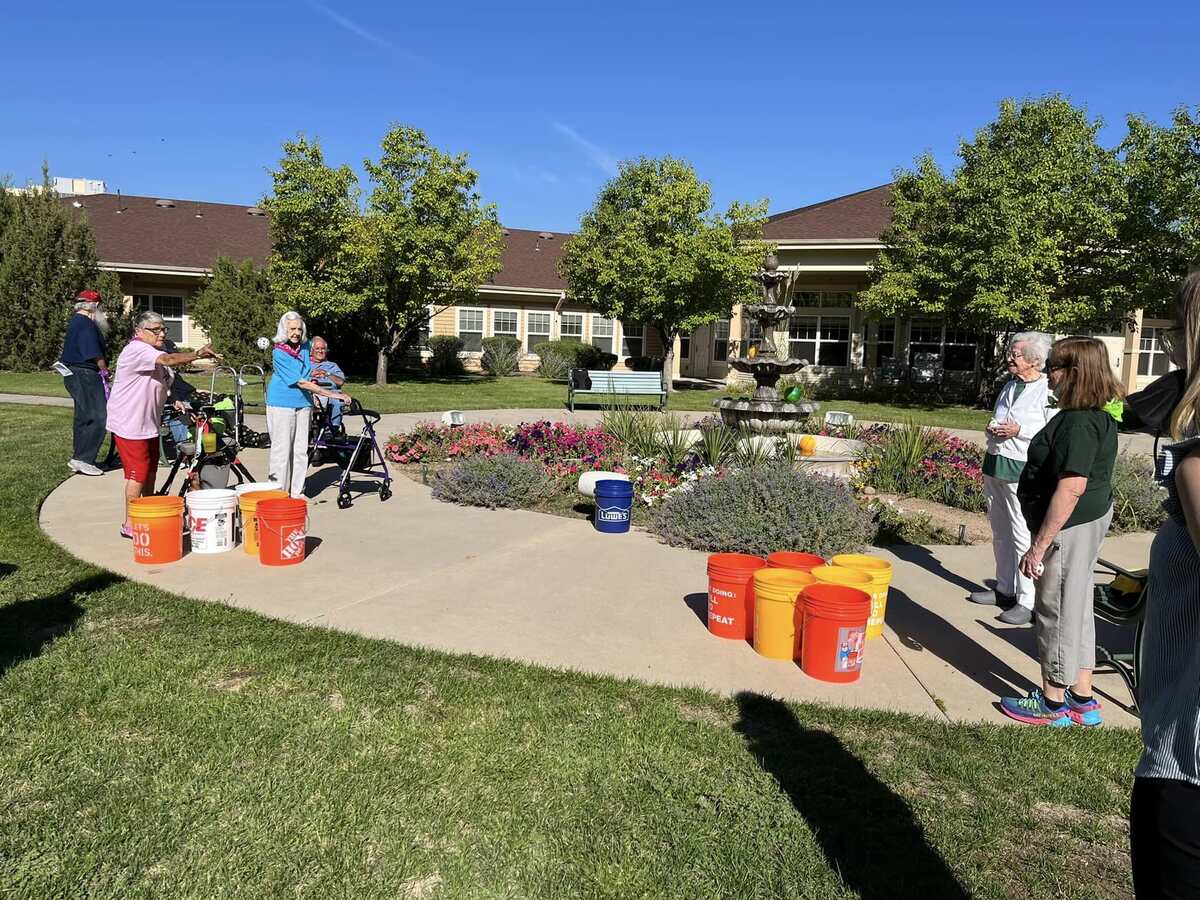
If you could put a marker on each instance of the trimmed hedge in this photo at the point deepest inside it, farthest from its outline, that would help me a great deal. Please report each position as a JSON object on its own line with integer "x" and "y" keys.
{"x": 580, "y": 355}
{"x": 445, "y": 349}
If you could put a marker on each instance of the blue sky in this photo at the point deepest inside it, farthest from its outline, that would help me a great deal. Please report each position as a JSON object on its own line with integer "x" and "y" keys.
{"x": 796, "y": 102}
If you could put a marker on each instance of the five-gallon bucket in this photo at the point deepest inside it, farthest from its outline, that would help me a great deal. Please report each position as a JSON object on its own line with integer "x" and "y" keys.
{"x": 157, "y": 529}
{"x": 282, "y": 530}
{"x": 247, "y": 503}
{"x": 880, "y": 572}
{"x": 833, "y": 634}
{"x": 210, "y": 519}
{"x": 614, "y": 501}
{"x": 786, "y": 559}
{"x": 776, "y": 615}
{"x": 731, "y": 594}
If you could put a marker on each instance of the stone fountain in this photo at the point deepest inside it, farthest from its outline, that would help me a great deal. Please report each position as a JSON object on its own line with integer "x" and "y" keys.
{"x": 766, "y": 411}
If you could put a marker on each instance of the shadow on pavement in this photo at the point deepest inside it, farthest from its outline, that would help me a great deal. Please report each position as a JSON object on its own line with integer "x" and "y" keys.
{"x": 28, "y": 626}
{"x": 921, "y": 556}
{"x": 866, "y": 831}
{"x": 923, "y": 630}
{"x": 698, "y": 603}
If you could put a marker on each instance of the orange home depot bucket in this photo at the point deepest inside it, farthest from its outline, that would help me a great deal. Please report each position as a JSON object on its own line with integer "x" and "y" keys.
{"x": 880, "y": 572}
{"x": 785, "y": 559}
{"x": 282, "y": 530}
{"x": 247, "y": 502}
{"x": 775, "y": 611}
{"x": 731, "y": 594}
{"x": 833, "y": 633}
{"x": 157, "y": 529}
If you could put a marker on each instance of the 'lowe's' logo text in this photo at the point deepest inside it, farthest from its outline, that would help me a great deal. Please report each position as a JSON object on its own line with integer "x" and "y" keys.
{"x": 612, "y": 514}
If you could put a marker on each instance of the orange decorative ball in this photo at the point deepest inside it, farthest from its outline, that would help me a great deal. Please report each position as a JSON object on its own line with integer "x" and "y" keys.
{"x": 808, "y": 445}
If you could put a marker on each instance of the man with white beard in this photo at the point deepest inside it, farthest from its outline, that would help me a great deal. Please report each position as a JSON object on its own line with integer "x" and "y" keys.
{"x": 84, "y": 355}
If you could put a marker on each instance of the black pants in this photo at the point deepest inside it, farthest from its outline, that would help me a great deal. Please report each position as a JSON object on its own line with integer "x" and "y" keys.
{"x": 91, "y": 412}
{"x": 1164, "y": 837}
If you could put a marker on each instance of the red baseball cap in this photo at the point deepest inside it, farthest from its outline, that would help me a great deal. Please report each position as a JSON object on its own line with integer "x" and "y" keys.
{"x": 88, "y": 296}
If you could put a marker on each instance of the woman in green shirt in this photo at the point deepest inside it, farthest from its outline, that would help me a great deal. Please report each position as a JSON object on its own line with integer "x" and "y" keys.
{"x": 1066, "y": 497}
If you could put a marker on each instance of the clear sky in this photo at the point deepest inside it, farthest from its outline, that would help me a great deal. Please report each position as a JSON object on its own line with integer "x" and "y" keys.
{"x": 797, "y": 102}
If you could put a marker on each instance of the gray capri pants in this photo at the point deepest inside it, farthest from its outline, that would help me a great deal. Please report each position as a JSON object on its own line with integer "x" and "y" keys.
{"x": 1063, "y": 618}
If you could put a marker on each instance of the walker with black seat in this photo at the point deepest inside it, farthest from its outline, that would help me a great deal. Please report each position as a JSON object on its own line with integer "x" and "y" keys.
{"x": 359, "y": 453}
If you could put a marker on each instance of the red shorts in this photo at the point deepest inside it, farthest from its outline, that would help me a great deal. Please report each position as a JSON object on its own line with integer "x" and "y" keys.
{"x": 139, "y": 458}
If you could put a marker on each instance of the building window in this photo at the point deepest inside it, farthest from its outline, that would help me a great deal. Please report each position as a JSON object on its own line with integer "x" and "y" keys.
{"x": 955, "y": 347}
{"x": 602, "y": 333}
{"x": 721, "y": 340}
{"x": 807, "y": 299}
{"x": 822, "y": 340}
{"x": 169, "y": 307}
{"x": 504, "y": 323}
{"x": 470, "y": 329}
{"x": 633, "y": 339}
{"x": 837, "y": 300}
{"x": 754, "y": 334}
{"x": 537, "y": 329}
{"x": 571, "y": 327}
{"x": 1152, "y": 359}
{"x": 685, "y": 346}
{"x": 885, "y": 343}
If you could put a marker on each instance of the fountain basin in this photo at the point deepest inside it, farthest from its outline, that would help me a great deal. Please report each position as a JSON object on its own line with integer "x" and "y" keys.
{"x": 770, "y": 416}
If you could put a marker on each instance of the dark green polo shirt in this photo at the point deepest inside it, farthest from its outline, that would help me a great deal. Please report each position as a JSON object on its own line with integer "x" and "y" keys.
{"x": 1074, "y": 442}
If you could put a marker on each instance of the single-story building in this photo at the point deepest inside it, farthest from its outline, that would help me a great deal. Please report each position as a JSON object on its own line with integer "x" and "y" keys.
{"x": 164, "y": 249}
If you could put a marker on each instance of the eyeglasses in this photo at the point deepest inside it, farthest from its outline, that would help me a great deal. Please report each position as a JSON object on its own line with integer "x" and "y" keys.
{"x": 1056, "y": 368}
{"x": 157, "y": 329}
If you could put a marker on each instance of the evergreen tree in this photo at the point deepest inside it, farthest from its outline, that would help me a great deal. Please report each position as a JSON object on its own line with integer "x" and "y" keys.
{"x": 235, "y": 308}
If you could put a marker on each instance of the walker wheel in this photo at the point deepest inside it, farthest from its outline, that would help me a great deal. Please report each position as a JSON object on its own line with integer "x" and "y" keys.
{"x": 343, "y": 501}
{"x": 385, "y": 492}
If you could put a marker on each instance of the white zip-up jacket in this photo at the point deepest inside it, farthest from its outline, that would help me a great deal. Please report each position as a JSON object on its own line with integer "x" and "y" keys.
{"x": 1031, "y": 411}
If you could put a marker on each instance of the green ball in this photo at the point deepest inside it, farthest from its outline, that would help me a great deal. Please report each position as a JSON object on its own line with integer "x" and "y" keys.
{"x": 795, "y": 395}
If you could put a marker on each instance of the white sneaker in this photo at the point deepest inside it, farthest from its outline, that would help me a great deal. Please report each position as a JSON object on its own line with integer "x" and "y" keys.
{"x": 83, "y": 468}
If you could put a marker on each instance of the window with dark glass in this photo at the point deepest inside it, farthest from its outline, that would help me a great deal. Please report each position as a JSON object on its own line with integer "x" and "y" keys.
{"x": 571, "y": 327}
{"x": 171, "y": 308}
{"x": 470, "y": 329}
{"x": 885, "y": 344}
{"x": 537, "y": 329}
{"x": 721, "y": 340}
{"x": 632, "y": 339}
{"x": 1152, "y": 360}
{"x": 602, "y": 333}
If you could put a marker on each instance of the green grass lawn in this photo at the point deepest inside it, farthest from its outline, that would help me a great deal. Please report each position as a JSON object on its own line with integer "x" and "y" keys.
{"x": 410, "y": 393}
{"x": 156, "y": 746}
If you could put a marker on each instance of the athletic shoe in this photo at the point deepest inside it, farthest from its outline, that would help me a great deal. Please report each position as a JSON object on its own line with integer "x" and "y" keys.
{"x": 1084, "y": 713}
{"x": 1016, "y": 615}
{"x": 1032, "y": 710}
{"x": 126, "y": 532}
{"x": 83, "y": 468}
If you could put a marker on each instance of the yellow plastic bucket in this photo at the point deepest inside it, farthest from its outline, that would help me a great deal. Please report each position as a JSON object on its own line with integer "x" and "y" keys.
{"x": 880, "y": 572}
{"x": 247, "y": 503}
{"x": 776, "y": 623}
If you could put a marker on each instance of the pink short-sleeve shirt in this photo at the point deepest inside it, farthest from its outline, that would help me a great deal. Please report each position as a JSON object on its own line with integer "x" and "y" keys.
{"x": 139, "y": 391}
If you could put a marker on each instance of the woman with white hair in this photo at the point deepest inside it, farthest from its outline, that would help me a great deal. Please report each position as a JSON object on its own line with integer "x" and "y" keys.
{"x": 1022, "y": 409}
{"x": 290, "y": 403}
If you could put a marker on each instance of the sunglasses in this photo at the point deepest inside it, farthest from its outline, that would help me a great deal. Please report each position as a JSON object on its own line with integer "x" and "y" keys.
{"x": 1056, "y": 368}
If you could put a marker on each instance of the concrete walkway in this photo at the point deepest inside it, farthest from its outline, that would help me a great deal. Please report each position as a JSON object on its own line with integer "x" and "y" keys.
{"x": 553, "y": 592}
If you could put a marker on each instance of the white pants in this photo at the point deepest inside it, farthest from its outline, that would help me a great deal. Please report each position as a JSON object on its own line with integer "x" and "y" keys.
{"x": 1010, "y": 539}
{"x": 289, "y": 447}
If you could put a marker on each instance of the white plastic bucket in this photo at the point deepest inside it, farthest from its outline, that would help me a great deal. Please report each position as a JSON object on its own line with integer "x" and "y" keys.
{"x": 211, "y": 515}
{"x": 257, "y": 486}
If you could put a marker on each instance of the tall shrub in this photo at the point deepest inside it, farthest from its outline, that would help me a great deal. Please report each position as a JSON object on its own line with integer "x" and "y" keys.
{"x": 501, "y": 355}
{"x": 445, "y": 349}
{"x": 235, "y": 308}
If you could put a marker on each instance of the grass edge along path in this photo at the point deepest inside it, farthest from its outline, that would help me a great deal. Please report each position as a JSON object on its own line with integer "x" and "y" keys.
{"x": 421, "y": 393}
{"x": 156, "y": 746}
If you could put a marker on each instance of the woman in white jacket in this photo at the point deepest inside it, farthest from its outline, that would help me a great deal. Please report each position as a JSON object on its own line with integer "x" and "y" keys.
{"x": 1022, "y": 409}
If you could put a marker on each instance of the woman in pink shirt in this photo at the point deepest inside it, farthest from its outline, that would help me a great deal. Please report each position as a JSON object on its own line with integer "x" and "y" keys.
{"x": 135, "y": 405}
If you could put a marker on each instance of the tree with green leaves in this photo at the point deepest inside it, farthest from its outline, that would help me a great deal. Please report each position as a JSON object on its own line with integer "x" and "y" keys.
{"x": 235, "y": 308}
{"x": 1025, "y": 233}
{"x": 652, "y": 250}
{"x": 47, "y": 255}
{"x": 1161, "y": 234}
{"x": 423, "y": 242}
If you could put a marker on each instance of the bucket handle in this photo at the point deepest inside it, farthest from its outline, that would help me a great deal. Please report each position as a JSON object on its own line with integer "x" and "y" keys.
{"x": 267, "y": 525}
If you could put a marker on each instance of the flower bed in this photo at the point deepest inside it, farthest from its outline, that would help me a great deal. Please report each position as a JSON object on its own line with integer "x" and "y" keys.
{"x": 922, "y": 462}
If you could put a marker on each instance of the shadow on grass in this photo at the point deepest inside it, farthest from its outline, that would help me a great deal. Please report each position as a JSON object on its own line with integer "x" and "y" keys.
{"x": 28, "y": 626}
{"x": 866, "y": 831}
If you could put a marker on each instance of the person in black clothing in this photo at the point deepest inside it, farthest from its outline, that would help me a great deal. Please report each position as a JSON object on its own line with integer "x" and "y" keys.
{"x": 84, "y": 354}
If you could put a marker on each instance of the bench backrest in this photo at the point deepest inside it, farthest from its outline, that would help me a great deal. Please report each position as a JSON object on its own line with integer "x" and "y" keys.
{"x": 625, "y": 382}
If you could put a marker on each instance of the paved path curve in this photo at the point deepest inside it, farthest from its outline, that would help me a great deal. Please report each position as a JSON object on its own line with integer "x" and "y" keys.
{"x": 553, "y": 592}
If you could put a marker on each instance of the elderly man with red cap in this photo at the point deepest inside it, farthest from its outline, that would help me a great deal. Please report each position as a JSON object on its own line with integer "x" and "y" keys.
{"x": 84, "y": 354}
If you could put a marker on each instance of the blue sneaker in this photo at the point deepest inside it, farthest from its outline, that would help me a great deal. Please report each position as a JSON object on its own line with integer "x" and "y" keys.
{"x": 1084, "y": 713}
{"x": 1032, "y": 710}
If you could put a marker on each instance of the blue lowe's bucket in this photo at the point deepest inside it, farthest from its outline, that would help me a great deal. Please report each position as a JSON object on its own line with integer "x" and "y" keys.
{"x": 614, "y": 500}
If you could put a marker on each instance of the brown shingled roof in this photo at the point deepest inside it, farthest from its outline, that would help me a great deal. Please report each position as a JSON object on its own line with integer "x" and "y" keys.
{"x": 141, "y": 233}
{"x": 861, "y": 216}
{"x": 530, "y": 260}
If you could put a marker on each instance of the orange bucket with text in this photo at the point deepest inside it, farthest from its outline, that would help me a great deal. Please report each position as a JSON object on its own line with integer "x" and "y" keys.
{"x": 157, "y": 529}
{"x": 786, "y": 559}
{"x": 282, "y": 531}
{"x": 880, "y": 573}
{"x": 731, "y": 594}
{"x": 834, "y": 631}
{"x": 777, "y": 616}
{"x": 248, "y": 503}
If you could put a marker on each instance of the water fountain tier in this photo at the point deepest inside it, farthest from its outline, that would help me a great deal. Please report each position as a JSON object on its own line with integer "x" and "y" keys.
{"x": 765, "y": 410}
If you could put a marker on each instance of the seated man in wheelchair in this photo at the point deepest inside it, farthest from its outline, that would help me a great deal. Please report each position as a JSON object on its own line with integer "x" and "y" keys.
{"x": 327, "y": 373}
